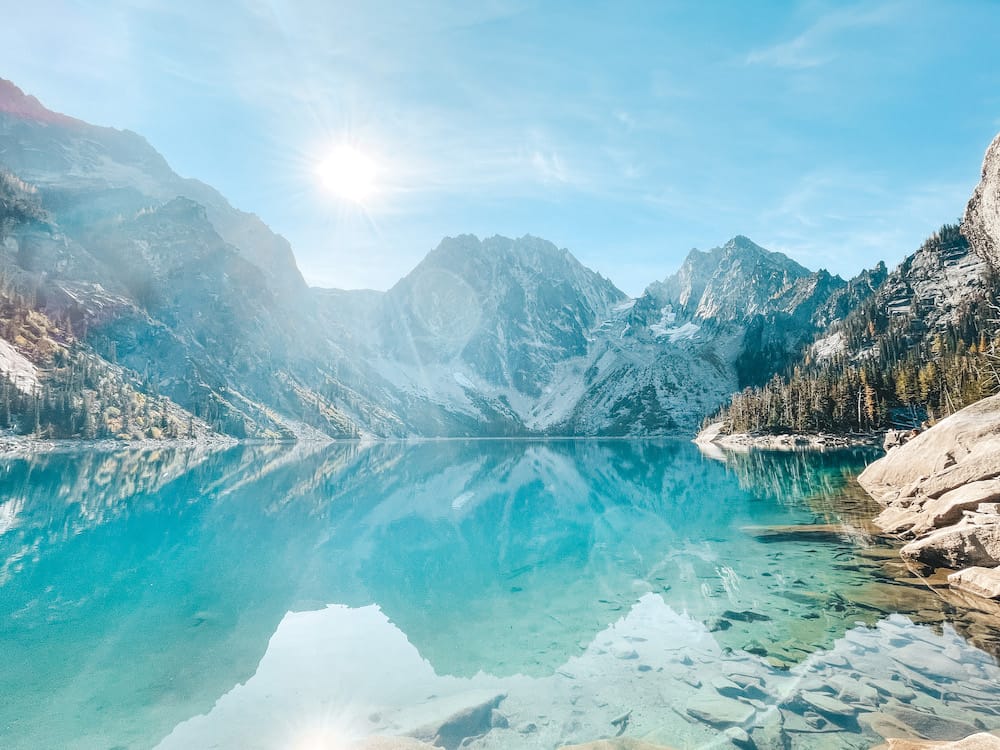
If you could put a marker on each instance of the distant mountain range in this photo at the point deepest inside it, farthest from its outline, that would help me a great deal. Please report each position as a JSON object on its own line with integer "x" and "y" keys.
{"x": 137, "y": 303}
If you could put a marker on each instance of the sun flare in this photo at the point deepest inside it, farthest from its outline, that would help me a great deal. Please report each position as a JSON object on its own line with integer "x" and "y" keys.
{"x": 348, "y": 174}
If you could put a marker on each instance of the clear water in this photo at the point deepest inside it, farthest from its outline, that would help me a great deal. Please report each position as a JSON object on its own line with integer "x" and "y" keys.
{"x": 305, "y": 597}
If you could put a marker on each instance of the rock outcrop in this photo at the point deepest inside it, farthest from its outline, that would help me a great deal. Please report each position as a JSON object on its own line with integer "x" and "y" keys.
{"x": 941, "y": 490}
{"x": 981, "y": 223}
{"x": 983, "y": 582}
{"x": 961, "y": 449}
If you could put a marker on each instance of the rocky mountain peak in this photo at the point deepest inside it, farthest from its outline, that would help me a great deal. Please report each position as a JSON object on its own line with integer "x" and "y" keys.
{"x": 981, "y": 223}
{"x": 15, "y": 102}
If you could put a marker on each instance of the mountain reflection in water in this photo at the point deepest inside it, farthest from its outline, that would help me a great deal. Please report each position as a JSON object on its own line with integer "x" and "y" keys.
{"x": 383, "y": 585}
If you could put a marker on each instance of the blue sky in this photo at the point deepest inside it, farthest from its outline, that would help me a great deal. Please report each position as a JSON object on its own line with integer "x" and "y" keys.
{"x": 838, "y": 133}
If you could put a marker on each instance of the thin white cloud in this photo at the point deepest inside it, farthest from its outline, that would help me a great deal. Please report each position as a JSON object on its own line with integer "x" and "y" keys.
{"x": 822, "y": 223}
{"x": 549, "y": 167}
{"x": 816, "y": 45}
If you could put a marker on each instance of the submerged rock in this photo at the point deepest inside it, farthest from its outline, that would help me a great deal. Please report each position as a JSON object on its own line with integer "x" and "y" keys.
{"x": 618, "y": 743}
{"x": 718, "y": 711}
{"x": 474, "y": 721}
{"x": 391, "y": 743}
{"x": 980, "y": 581}
{"x": 931, "y": 725}
{"x": 978, "y": 741}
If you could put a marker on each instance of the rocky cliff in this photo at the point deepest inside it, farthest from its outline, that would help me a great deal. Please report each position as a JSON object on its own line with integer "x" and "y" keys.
{"x": 941, "y": 490}
{"x": 981, "y": 223}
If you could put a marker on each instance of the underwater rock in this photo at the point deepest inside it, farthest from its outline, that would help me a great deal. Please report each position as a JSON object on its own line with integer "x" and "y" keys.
{"x": 717, "y": 710}
{"x": 830, "y": 533}
{"x": 618, "y": 743}
{"x": 768, "y": 733}
{"x": 932, "y": 664}
{"x": 391, "y": 743}
{"x": 738, "y": 737}
{"x": 978, "y": 741}
{"x": 746, "y": 615}
{"x": 886, "y": 725}
{"x": 474, "y": 721}
{"x": 827, "y": 705}
{"x": 930, "y": 725}
{"x": 984, "y": 582}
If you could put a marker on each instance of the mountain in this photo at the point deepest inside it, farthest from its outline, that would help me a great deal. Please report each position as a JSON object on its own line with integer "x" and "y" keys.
{"x": 139, "y": 271}
{"x": 137, "y": 303}
{"x": 903, "y": 347}
{"x": 771, "y": 303}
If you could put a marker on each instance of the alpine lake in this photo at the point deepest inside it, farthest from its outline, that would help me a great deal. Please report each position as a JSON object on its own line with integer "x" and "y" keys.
{"x": 479, "y": 594}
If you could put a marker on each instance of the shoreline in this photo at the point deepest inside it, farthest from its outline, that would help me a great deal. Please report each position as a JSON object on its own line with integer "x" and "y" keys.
{"x": 17, "y": 446}
{"x": 713, "y": 436}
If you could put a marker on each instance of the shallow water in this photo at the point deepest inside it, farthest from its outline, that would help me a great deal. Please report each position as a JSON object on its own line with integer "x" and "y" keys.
{"x": 301, "y": 597}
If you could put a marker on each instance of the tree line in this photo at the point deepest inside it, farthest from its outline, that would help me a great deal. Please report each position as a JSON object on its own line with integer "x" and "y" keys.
{"x": 890, "y": 369}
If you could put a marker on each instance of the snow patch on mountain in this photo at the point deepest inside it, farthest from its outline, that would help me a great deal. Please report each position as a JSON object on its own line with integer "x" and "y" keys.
{"x": 830, "y": 346}
{"x": 17, "y": 368}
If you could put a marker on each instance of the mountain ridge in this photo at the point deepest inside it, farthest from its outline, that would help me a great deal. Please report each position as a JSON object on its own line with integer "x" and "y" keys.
{"x": 203, "y": 309}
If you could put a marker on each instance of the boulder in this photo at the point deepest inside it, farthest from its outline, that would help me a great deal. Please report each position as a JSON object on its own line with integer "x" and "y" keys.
{"x": 980, "y": 581}
{"x": 965, "y": 544}
{"x": 474, "y": 721}
{"x": 719, "y": 711}
{"x": 931, "y": 725}
{"x": 896, "y": 519}
{"x": 947, "y": 509}
{"x": 962, "y": 448}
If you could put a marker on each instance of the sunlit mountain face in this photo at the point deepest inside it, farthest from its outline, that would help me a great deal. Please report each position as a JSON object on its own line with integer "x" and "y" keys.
{"x": 237, "y": 598}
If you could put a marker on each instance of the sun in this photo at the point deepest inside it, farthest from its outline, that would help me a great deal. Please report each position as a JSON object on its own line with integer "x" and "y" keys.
{"x": 348, "y": 174}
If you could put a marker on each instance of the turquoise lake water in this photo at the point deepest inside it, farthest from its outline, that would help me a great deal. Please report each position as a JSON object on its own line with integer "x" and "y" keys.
{"x": 306, "y": 597}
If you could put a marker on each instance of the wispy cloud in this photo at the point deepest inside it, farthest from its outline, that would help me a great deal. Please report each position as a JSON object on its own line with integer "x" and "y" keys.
{"x": 846, "y": 220}
{"x": 550, "y": 167}
{"x": 817, "y": 44}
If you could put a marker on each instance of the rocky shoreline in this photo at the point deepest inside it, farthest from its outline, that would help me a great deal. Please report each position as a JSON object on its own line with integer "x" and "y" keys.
{"x": 941, "y": 493}
{"x": 714, "y": 435}
{"x": 14, "y": 446}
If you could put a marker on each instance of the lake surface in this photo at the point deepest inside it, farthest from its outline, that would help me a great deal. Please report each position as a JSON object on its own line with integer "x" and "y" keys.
{"x": 304, "y": 597}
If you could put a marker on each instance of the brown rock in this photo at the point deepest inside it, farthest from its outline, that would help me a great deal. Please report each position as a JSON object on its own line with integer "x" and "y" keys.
{"x": 947, "y": 509}
{"x": 983, "y": 582}
{"x": 886, "y": 725}
{"x": 962, "y": 545}
{"x": 980, "y": 741}
{"x": 896, "y": 519}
